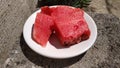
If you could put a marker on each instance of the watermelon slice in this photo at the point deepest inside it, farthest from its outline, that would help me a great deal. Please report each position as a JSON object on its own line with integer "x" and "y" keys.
{"x": 42, "y": 28}
{"x": 70, "y": 26}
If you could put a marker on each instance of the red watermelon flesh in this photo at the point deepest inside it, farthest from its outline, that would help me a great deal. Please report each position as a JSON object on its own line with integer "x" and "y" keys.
{"x": 46, "y": 10}
{"x": 67, "y": 22}
{"x": 70, "y": 25}
{"x": 42, "y": 28}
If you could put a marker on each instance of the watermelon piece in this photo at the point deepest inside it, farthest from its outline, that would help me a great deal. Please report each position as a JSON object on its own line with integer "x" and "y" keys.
{"x": 42, "y": 28}
{"x": 47, "y": 10}
{"x": 69, "y": 25}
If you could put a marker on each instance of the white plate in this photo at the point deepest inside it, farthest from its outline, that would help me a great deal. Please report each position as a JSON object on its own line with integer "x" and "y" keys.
{"x": 53, "y": 48}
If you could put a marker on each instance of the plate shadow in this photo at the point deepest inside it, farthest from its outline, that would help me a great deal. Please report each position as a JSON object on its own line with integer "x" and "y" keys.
{"x": 46, "y": 62}
{"x": 53, "y": 40}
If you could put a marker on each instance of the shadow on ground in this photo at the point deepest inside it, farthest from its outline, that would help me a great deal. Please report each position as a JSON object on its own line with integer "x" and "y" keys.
{"x": 41, "y": 3}
{"x": 44, "y": 61}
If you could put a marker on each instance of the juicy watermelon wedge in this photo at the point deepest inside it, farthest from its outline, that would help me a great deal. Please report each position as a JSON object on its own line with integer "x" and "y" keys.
{"x": 70, "y": 25}
{"x": 42, "y": 28}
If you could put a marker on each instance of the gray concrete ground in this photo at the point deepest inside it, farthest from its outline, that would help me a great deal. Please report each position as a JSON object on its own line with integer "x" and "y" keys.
{"x": 14, "y": 52}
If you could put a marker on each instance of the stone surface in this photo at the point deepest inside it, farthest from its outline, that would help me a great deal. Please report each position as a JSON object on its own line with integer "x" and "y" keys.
{"x": 113, "y": 7}
{"x": 14, "y": 52}
{"x": 98, "y": 6}
{"x": 13, "y": 14}
{"x": 105, "y": 6}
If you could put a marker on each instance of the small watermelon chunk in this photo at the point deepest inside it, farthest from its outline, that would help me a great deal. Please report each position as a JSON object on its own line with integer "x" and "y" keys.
{"x": 46, "y": 10}
{"x": 42, "y": 28}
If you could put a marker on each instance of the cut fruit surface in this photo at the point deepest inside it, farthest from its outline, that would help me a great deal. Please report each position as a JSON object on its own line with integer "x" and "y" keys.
{"x": 70, "y": 25}
{"x": 42, "y": 28}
